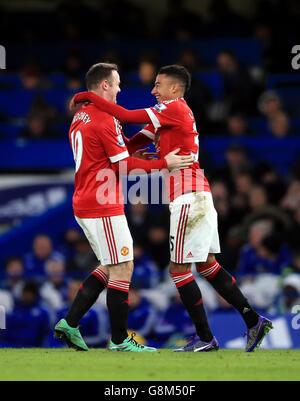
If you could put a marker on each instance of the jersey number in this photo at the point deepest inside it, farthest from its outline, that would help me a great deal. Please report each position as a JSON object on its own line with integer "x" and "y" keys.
{"x": 77, "y": 147}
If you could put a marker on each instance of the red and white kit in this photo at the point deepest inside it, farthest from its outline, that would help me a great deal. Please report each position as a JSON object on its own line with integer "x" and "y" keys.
{"x": 193, "y": 218}
{"x": 98, "y": 146}
{"x": 171, "y": 125}
{"x": 96, "y": 140}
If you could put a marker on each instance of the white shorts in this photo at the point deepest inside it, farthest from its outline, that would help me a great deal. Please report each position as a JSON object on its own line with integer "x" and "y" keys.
{"x": 193, "y": 228}
{"x": 109, "y": 238}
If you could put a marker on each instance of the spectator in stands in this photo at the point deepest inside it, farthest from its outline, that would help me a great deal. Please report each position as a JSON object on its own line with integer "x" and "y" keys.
{"x": 14, "y": 276}
{"x": 199, "y": 97}
{"x": 38, "y": 128}
{"x": 73, "y": 70}
{"x": 220, "y": 195}
{"x": 290, "y": 286}
{"x": 269, "y": 104}
{"x": 291, "y": 200}
{"x": 279, "y": 125}
{"x": 139, "y": 220}
{"x": 258, "y": 197}
{"x": 174, "y": 325}
{"x": 84, "y": 258}
{"x": 28, "y": 324}
{"x": 189, "y": 59}
{"x": 145, "y": 273}
{"x": 269, "y": 179}
{"x": 290, "y": 293}
{"x": 70, "y": 237}
{"x": 42, "y": 251}
{"x": 237, "y": 125}
{"x": 180, "y": 23}
{"x": 94, "y": 326}
{"x": 142, "y": 315}
{"x": 158, "y": 244}
{"x": 147, "y": 70}
{"x": 236, "y": 162}
{"x": 31, "y": 77}
{"x": 54, "y": 290}
{"x": 265, "y": 252}
{"x": 239, "y": 88}
{"x": 294, "y": 232}
{"x": 243, "y": 182}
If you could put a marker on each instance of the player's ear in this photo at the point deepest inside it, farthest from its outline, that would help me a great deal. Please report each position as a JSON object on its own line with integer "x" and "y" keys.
{"x": 104, "y": 85}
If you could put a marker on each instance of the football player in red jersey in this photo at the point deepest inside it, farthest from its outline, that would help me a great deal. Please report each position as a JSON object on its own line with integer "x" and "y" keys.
{"x": 194, "y": 228}
{"x": 98, "y": 146}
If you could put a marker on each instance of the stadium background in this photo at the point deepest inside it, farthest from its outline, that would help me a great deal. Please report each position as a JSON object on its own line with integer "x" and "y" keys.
{"x": 246, "y": 100}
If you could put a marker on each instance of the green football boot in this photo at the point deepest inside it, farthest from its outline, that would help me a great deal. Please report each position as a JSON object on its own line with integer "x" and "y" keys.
{"x": 71, "y": 336}
{"x": 129, "y": 344}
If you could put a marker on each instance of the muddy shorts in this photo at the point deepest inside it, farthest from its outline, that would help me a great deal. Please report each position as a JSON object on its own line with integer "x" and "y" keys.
{"x": 193, "y": 228}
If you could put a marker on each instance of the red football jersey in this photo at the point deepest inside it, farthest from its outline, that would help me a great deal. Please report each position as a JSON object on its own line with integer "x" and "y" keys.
{"x": 173, "y": 126}
{"x": 97, "y": 141}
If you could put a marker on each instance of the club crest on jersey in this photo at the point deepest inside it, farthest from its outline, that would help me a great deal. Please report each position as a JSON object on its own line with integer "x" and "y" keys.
{"x": 120, "y": 140}
{"x": 160, "y": 107}
{"x": 124, "y": 251}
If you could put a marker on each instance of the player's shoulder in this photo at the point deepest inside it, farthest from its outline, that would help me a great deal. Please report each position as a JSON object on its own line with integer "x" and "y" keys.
{"x": 99, "y": 116}
{"x": 174, "y": 104}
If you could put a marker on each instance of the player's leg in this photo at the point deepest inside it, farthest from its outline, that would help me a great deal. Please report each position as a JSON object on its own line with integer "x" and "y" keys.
{"x": 191, "y": 297}
{"x": 180, "y": 271}
{"x": 225, "y": 284}
{"x": 87, "y": 295}
{"x": 118, "y": 309}
{"x": 67, "y": 329}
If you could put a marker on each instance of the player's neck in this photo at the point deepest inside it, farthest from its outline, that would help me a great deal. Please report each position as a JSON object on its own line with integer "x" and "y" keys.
{"x": 102, "y": 94}
{"x": 175, "y": 96}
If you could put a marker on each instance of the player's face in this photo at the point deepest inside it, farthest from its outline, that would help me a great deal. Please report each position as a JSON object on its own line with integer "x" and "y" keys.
{"x": 114, "y": 87}
{"x": 163, "y": 88}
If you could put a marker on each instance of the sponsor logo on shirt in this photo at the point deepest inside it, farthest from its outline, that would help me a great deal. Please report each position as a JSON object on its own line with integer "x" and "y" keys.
{"x": 160, "y": 107}
{"x": 120, "y": 140}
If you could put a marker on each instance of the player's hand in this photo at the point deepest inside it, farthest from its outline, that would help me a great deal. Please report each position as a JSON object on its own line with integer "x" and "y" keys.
{"x": 144, "y": 154}
{"x": 72, "y": 105}
{"x": 78, "y": 99}
{"x": 178, "y": 162}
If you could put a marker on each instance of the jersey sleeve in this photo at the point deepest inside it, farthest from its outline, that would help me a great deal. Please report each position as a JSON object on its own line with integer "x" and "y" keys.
{"x": 113, "y": 141}
{"x": 164, "y": 114}
{"x": 149, "y": 131}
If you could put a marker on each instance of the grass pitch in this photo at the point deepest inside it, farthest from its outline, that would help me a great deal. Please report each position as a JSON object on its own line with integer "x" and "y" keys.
{"x": 102, "y": 365}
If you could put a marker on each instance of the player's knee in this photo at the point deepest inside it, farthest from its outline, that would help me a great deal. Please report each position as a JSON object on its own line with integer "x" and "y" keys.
{"x": 179, "y": 267}
{"x": 122, "y": 271}
{"x": 210, "y": 259}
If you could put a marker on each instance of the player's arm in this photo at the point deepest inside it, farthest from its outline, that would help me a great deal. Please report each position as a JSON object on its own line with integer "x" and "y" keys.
{"x": 125, "y": 116}
{"x": 171, "y": 161}
{"x": 112, "y": 140}
{"x": 140, "y": 140}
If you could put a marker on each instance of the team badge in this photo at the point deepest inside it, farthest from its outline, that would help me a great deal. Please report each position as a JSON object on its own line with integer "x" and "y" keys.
{"x": 124, "y": 251}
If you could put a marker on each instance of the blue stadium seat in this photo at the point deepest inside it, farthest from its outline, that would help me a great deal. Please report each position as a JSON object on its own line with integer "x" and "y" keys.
{"x": 275, "y": 81}
{"x": 11, "y": 131}
{"x": 15, "y": 103}
{"x": 287, "y": 87}
{"x": 213, "y": 80}
{"x": 8, "y": 81}
{"x": 57, "y": 79}
{"x": 258, "y": 125}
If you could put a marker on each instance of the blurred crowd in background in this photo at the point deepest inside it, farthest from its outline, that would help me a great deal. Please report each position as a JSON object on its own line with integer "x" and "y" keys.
{"x": 258, "y": 208}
